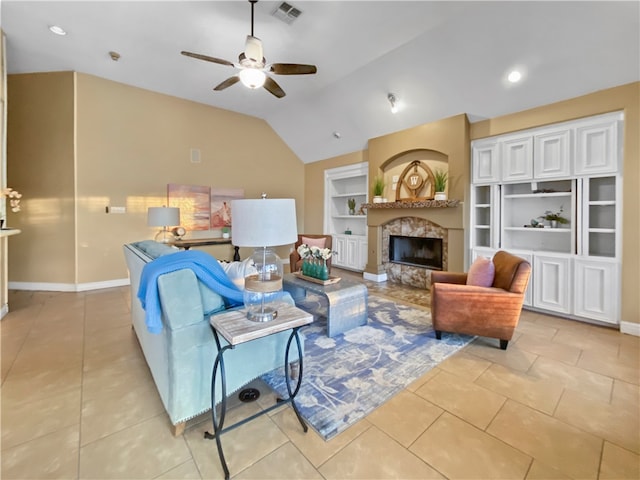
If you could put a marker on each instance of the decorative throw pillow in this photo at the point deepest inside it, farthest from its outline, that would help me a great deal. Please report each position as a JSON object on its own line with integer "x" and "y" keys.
{"x": 155, "y": 249}
{"x": 314, "y": 242}
{"x": 236, "y": 271}
{"x": 481, "y": 272}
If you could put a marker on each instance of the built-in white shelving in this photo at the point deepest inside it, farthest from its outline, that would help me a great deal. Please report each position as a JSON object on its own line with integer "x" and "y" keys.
{"x": 349, "y": 230}
{"x": 573, "y": 167}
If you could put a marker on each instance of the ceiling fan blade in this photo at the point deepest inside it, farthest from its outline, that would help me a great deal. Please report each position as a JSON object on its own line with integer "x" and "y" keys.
{"x": 272, "y": 87}
{"x": 227, "y": 83}
{"x": 292, "y": 69}
{"x": 207, "y": 58}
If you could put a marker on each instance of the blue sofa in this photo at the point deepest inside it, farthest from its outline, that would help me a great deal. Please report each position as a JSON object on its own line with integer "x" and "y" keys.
{"x": 181, "y": 356}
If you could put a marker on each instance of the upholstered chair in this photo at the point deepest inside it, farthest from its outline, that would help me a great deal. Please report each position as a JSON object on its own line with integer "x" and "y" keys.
{"x": 320, "y": 241}
{"x": 488, "y": 311}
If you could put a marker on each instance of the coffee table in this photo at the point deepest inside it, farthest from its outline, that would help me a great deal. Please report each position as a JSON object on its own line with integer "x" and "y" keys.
{"x": 347, "y": 301}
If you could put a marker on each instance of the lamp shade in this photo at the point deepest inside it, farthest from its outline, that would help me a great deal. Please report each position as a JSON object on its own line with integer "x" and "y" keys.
{"x": 163, "y": 216}
{"x": 266, "y": 222}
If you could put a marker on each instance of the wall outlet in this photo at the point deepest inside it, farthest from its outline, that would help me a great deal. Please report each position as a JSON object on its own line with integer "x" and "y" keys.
{"x": 116, "y": 209}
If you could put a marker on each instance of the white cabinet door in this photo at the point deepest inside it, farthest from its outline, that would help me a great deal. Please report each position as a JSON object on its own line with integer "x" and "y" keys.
{"x": 517, "y": 158}
{"x": 353, "y": 257}
{"x": 551, "y": 283}
{"x": 486, "y": 163}
{"x": 552, "y": 154}
{"x": 597, "y": 148}
{"x": 351, "y": 251}
{"x": 596, "y": 289}
{"x": 528, "y": 294}
{"x": 340, "y": 247}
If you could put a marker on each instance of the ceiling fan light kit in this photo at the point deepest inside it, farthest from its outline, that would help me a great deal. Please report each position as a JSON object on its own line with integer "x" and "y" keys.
{"x": 252, "y": 78}
{"x": 253, "y": 66}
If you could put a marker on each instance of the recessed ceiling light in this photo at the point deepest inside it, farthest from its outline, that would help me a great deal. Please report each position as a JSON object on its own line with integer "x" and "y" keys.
{"x": 57, "y": 30}
{"x": 515, "y": 76}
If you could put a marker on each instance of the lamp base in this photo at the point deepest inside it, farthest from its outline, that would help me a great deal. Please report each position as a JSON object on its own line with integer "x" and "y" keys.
{"x": 164, "y": 236}
{"x": 265, "y": 314}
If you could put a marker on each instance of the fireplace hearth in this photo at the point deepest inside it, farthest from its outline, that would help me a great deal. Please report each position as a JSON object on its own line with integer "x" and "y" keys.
{"x": 421, "y": 252}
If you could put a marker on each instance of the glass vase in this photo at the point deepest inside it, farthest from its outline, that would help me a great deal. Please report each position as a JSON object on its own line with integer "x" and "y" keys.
{"x": 323, "y": 273}
{"x": 314, "y": 268}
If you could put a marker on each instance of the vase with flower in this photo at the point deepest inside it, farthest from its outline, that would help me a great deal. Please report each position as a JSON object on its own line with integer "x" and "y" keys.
{"x": 14, "y": 201}
{"x": 314, "y": 261}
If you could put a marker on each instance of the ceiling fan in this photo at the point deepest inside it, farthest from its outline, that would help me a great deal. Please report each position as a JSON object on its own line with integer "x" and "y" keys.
{"x": 253, "y": 66}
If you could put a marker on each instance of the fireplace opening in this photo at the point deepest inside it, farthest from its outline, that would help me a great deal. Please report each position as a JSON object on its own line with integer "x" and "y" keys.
{"x": 416, "y": 251}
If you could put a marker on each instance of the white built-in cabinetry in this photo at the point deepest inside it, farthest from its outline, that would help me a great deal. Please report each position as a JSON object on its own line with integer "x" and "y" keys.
{"x": 341, "y": 184}
{"x": 574, "y": 166}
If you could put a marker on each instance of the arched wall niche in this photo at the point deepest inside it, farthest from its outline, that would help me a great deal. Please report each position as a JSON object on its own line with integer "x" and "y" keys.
{"x": 394, "y": 166}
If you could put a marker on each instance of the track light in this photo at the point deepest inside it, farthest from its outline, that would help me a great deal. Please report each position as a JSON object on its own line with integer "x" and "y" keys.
{"x": 393, "y": 101}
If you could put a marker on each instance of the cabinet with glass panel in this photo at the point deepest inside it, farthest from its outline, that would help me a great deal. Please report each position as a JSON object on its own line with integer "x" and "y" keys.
{"x": 565, "y": 220}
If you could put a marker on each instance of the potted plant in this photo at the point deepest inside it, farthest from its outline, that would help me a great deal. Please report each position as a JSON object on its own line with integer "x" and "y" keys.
{"x": 225, "y": 232}
{"x": 440, "y": 184}
{"x": 554, "y": 218}
{"x": 378, "y": 189}
{"x": 352, "y": 206}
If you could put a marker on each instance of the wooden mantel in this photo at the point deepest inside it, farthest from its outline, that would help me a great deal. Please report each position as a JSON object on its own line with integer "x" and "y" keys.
{"x": 419, "y": 204}
{"x": 447, "y": 214}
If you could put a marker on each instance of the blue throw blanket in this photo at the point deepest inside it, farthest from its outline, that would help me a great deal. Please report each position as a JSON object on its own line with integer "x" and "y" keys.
{"x": 207, "y": 270}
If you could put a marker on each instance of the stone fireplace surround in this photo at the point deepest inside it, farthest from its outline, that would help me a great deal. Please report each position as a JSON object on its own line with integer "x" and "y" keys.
{"x": 413, "y": 219}
{"x": 412, "y": 227}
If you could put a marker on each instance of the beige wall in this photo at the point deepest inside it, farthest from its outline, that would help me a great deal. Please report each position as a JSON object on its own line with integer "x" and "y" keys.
{"x": 40, "y": 149}
{"x": 129, "y": 144}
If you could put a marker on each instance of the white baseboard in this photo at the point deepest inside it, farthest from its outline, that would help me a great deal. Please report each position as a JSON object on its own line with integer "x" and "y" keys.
{"x": 4, "y": 310}
{"x": 630, "y": 328}
{"x": 67, "y": 287}
{"x": 380, "y": 277}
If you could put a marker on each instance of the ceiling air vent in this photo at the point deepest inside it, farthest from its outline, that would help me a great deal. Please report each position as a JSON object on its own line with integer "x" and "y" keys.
{"x": 286, "y": 12}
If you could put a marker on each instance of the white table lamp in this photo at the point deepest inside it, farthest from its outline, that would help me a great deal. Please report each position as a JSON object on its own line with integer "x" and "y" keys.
{"x": 263, "y": 223}
{"x": 163, "y": 217}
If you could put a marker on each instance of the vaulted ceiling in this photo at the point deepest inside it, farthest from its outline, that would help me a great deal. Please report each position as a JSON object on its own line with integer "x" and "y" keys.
{"x": 439, "y": 58}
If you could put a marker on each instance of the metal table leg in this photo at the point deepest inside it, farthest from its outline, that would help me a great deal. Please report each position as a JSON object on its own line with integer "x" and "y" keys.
{"x": 218, "y": 422}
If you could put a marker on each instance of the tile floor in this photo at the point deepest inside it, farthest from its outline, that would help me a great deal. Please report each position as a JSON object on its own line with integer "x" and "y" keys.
{"x": 78, "y": 402}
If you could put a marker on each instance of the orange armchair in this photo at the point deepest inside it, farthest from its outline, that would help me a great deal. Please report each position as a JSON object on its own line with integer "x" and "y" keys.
{"x": 486, "y": 311}
{"x": 295, "y": 262}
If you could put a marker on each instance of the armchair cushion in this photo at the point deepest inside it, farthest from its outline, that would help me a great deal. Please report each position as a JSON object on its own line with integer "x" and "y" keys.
{"x": 314, "y": 242}
{"x": 481, "y": 272}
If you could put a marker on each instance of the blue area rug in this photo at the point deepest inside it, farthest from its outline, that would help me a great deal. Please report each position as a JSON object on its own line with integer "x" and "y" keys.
{"x": 348, "y": 376}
